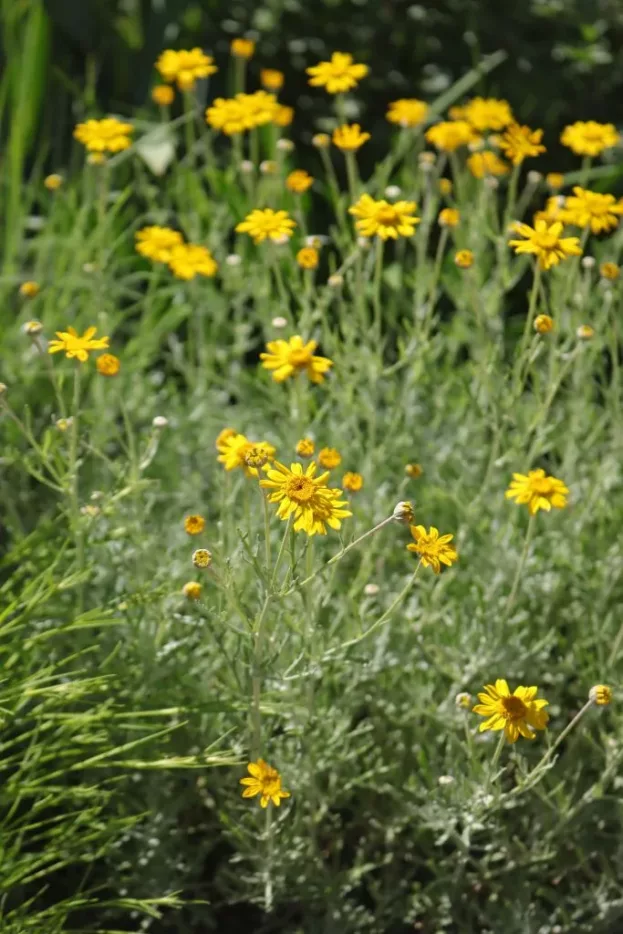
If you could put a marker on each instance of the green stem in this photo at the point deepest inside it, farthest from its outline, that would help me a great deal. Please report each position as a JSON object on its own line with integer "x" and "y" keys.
{"x": 550, "y": 752}
{"x": 388, "y": 612}
{"x": 378, "y": 276}
{"x": 520, "y": 567}
{"x": 266, "y": 530}
{"x": 268, "y": 878}
{"x": 73, "y": 480}
{"x": 495, "y": 759}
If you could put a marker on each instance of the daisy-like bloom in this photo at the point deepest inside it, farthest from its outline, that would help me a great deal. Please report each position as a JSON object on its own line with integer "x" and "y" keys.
{"x": 464, "y": 259}
{"x": 519, "y": 142}
{"x": 229, "y": 115}
{"x": 352, "y": 481}
{"x": 589, "y": 138}
{"x": 543, "y": 324}
{"x": 414, "y": 471}
{"x": 73, "y": 345}
{"x": 349, "y": 137}
{"x": 407, "y": 112}
{"x": 202, "y": 558}
{"x": 283, "y": 115}
{"x": 518, "y": 714}
{"x": 271, "y": 79}
{"x": 108, "y": 135}
{"x": 264, "y": 223}
{"x": 590, "y": 209}
{"x": 329, "y": 458}
{"x": 449, "y": 217}
{"x": 585, "y": 332}
{"x": 609, "y": 271}
{"x": 305, "y": 447}
{"x": 291, "y": 357}
{"x": 307, "y": 258}
{"x": 242, "y": 48}
{"x": 385, "y": 220}
{"x": 481, "y": 164}
{"x": 192, "y": 590}
{"x": 260, "y": 108}
{"x": 544, "y": 241}
{"x": 339, "y": 75}
{"x": 185, "y": 67}
{"x": 264, "y": 781}
{"x": 194, "y": 524}
{"x": 156, "y": 243}
{"x": 234, "y": 449}
{"x": 445, "y": 186}
{"x": 190, "y": 260}
{"x": 554, "y": 180}
{"x": 305, "y": 497}
{"x": 487, "y": 113}
{"x": 600, "y": 694}
{"x": 53, "y": 182}
{"x": 434, "y": 549}
{"x": 29, "y": 289}
{"x": 108, "y": 365}
{"x": 450, "y": 135}
{"x": 224, "y": 435}
{"x": 537, "y": 490}
{"x": 299, "y": 181}
{"x": 404, "y": 512}
{"x": 162, "y": 94}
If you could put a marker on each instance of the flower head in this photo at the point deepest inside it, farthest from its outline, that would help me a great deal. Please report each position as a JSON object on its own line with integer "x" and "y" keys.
{"x": 434, "y": 549}
{"x": 108, "y": 365}
{"x": 321, "y": 140}
{"x": 194, "y": 524}
{"x": 192, "y": 590}
{"x": 484, "y": 163}
{"x": 53, "y": 182}
{"x": 264, "y": 781}
{"x": 403, "y": 512}
{"x": 242, "y": 48}
{"x": 264, "y": 223}
{"x": 32, "y": 328}
{"x": 543, "y": 324}
{"x": 108, "y": 135}
{"x": 544, "y": 241}
{"x": 445, "y": 186}
{"x": 291, "y": 357}
{"x": 329, "y": 458}
{"x": 407, "y": 112}
{"x": 338, "y": 75}
{"x": 229, "y": 115}
{"x": 305, "y": 447}
{"x": 349, "y": 137}
{"x": 414, "y": 471}
{"x": 76, "y": 346}
{"x": 610, "y": 271}
{"x": 518, "y": 714}
{"x": 450, "y": 135}
{"x": 520, "y": 142}
{"x": 202, "y": 558}
{"x": 185, "y": 67}
{"x": 305, "y": 497}
{"x": 385, "y": 220}
{"x": 600, "y": 694}
{"x": 463, "y": 700}
{"x": 156, "y": 243}
{"x": 487, "y": 113}
{"x": 307, "y": 258}
{"x": 554, "y": 180}
{"x": 537, "y": 490}
{"x": 163, "y": 95}
{"x": 600, "y": 213}
{"x": 29, "y": 289}
{"x": 299, "y": 181}
{"x": 464, "y": 259}
{"x": 272, "y": 80}
{"x": 190, "y": 259}
{"x": 260, "y": 107}
{"x": 589, "y": 138}
{"x": 585, "y": 332}
{"x": 352, "y": 481}
{"x": 233, "y": 451}
{"x": 283, "y": 115}
{"x": 449, "y": 217}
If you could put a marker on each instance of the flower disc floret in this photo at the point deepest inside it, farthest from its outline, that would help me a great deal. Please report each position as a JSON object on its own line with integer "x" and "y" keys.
{"x": 518, "y": 714}
{"x": 337, "y": 75}
{"x": 537, "y": 490}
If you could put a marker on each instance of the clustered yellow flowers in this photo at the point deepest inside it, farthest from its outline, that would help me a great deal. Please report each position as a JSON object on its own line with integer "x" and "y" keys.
{"x": 185, "y": 67}
{"x": 385, "y": 220}
{"x": 289, "y": 358}
{"x": 185, "y": 260}
{"x": 107, "y": 135}
{"x": 305, "y": 498}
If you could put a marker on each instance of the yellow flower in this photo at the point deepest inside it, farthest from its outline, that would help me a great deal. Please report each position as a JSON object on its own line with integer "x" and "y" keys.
{"x": 555, "y": 180}
{"x": 224, "y": 435}
{"x": 163, "y": 95}
{"x": 339, "y": 75}
{"x": 321, "y": 140}
{"x": 264, "y": 223}
{"x": 585, "y": 332}
{"x": 63, "y": 424}
{"x": 518, "y": 714}
{"x": 545, "y": 242}
{"x": 329, "y": 458}
{"x": 299, "y": 181}
{"x": 349, "y": 137}
{"x": 233, "y": 450}
{"x": 307, "y": 258}
{"x": 305, "y": 497}
{"x": 543, "y": 324}
{"x": 407, "y": 112}
{"x": 192, "y": 590}
{"x": 352, "y": 481}
{"x": 260, "y": 107}
{"x": 609, "y": 271}
{"x": 589, "y": 138}
{"x": 108, "y": 135}
{"x": 449, "y": 217}
{"x": 383, "y": 219}
{"x": 487, "y": 113}
{"x": 76, "y": 346}
{"x": 414, "y": 471}
{"x": 228, "y": 115}
{"x": 108, "y": 364}
{"x": 190, "y": 259}
{"x": 283, "y": 116}
{"x": 464, "y": 259}
{"x": 202, "y": 558}
{"x": 264, "y": 781}
{"x": 185, "y": 67}
{"x": 194, "y": 524}
{"x": 519, "y": 142}
{"x": 433, "y": 549}
{"x": 29, "y": 289}
{"x": 485, "y": 163}
{"x": 53, "y": 182}
{"x": 445, "y": 186}
{"x": 591, "y": 209}
{"x": 600, "y": 694}
{"x": 537, "y": 490}
{"x": 157, "y": 242}
{"x": 242, "y": 48}
{"x": 305, "y": 447}
{"x": 271, "y": 79}
{"x": 291, "y": 357}
{"x": 451, "y": 134}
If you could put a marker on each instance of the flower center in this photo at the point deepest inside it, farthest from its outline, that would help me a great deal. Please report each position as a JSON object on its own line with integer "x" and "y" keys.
{"x": 300, "y": 489}
{"x": 387, "y": 216}
{"x": 546, "y": 241}
{"x": 514, "y": 708}
{"x": 299, "y": 358}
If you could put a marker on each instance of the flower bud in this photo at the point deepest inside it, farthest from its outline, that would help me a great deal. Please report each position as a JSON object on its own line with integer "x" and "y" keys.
{"x": 192, "y": 590}
{"x": 202, "y": 558}
{"x": 285, "y": 145}
{"x": 279, "y": 322}
{"x": 403, "y": 512}
{"x": 543, "y": 324}
{"x": 160, "y": 421}
{"x": 32, "y": 328}
{"x": 463, "y": 700}
{"x": 393, "y": 191}
{"x": 600, "y": 694}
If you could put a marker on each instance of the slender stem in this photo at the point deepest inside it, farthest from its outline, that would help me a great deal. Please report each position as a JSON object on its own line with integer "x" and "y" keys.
{"x": 378, "y": 275}
{"x": 525, "y": 339}
{"x": 353, "y": 175}
{"x": 496, "y": 758}
{"x": 388, "y": 612}
{"x": 268, "y": 878}
{"x": 520, "y": 567}
{"x": 266, "y": 530}
{"x": 73, "y": 479}
{"x": 550, "y": 752}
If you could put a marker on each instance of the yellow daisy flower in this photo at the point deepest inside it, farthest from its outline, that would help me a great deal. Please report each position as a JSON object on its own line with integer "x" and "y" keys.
{"x": 229, "y": 115}
{"x": 537, "y": 490}
{"x": 185, "y": 67}
{"x": 450, "y": 135}
{"x": 108, "y": 135}
{"x": 485, "y": 163}
{"x": 299, "y": 181}
{"x": 487, "y": 113}
{"x": 591, "y": 209}
{"x": 519, "y": 142}
{"x": 433, "y": 549}
{"x": 544, "y": 241}
{"x": 349, "y": 137}
{"x": 264, "y": 223}
{"x": 194, "y": 525}
{"x": 352, "y": 481}
{"x": 242, "y": 48}
{"x": 305, "y": 497}
{"x": 307, "y": 258}
{"x": 385, "y": 220}
{"x": 265, "y": 782}
{"x": 518, "y": 714}
{"x": 589, "y": 138}
{"x": 190, "y": 260}
{"x": 234, "y": 449}
{"x": 271, "y": 79}
{"x": 329, "y": 458}
{"x": 156, "y": 243}
{"x": 407, "y": 112}
{"x": 291, "y": 357}
{"x": 73, "y": 345}
{"x": 338, "y": 75}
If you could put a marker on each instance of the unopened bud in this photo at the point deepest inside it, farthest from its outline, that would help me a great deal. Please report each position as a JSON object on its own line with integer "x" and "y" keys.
{"x": 403, "y": 512}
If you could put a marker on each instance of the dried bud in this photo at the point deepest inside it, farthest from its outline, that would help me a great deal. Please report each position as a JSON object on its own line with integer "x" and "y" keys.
{"x": 403, "y": 512}
{"x": 233, "y": 259}
{"x": 202, "y": 558}
{"x": 535, "y": 177}
{"x": 463, "y": 700}
{"x": 588, "y": 262}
